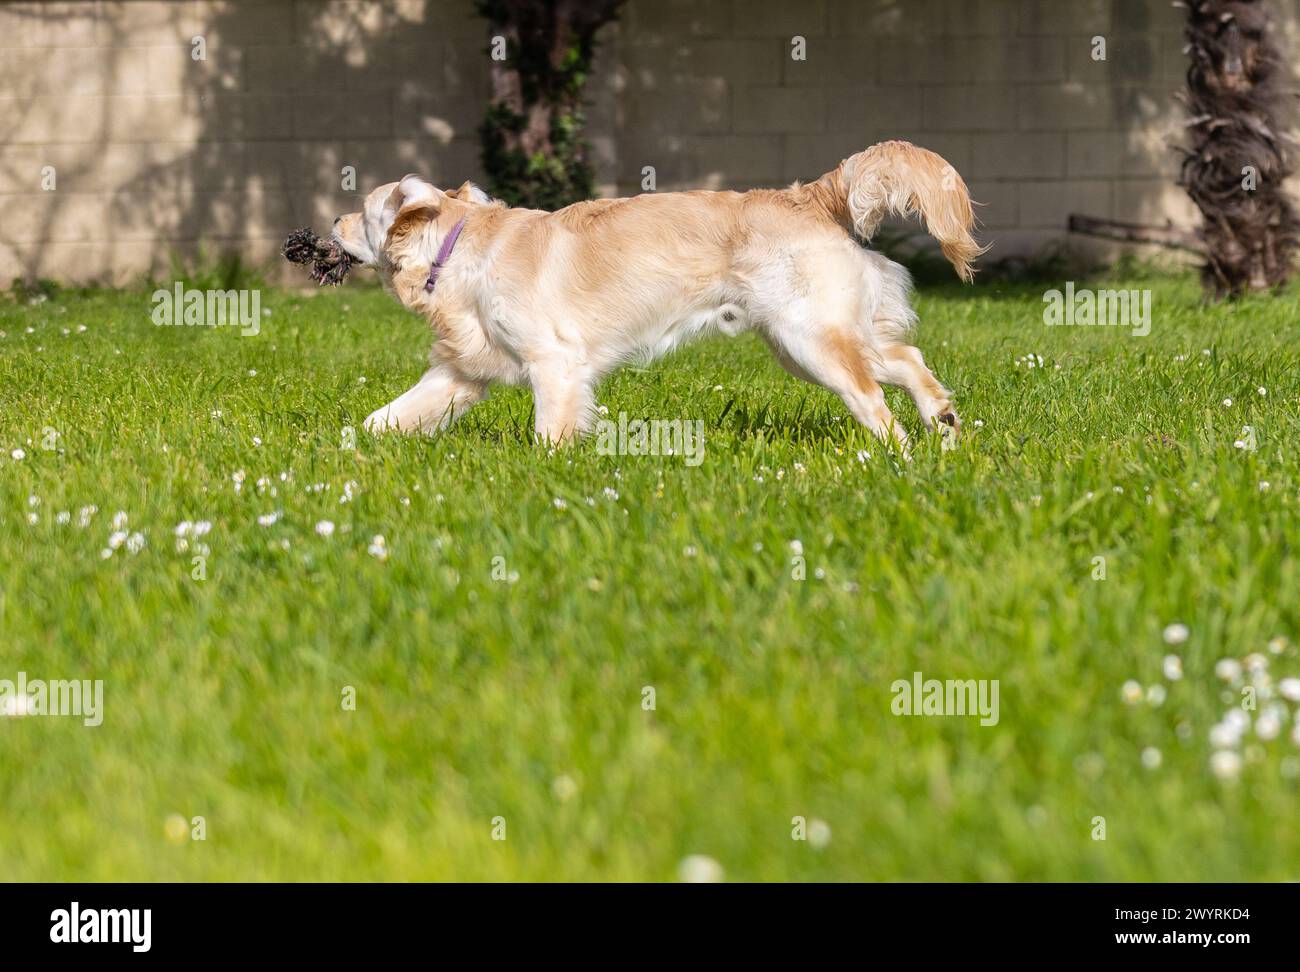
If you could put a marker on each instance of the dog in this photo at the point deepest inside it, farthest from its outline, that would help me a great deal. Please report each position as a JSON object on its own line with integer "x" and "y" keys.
{"x": 556, "y": 301}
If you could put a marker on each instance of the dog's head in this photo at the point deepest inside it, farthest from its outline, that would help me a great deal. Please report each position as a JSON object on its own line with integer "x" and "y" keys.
{"x": 387, "y": 231}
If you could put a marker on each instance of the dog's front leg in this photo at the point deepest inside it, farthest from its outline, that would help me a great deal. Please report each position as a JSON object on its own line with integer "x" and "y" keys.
{"x": 439, "y": 398}
{"x": 564, "y": 401}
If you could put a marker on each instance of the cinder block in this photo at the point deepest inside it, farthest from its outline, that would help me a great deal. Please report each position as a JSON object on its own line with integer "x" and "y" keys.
{"x": 76, "y": 168}
{"x": 970, "y": 108}
{"x": 1155, "y": 201}
{"x": 57, "y": 71}
{"x": 1066, "y": 106}
{"x": 928, "y": 61}
{"x": 1130, "y": 59}
{"x": 1013, "y": 59}
{"x": 1089, "y": 17}
{"x": 1023, "y": 155}
{"x": 865, "y": 112}
{"x": 706, "y": 110}
{"x": 831, "y": 60}
{"x": 779, "y": 110}
{"x": 780, "y": 18}
{"x": 809, "y": 156}
{"x": 1104, "y": 154}
{"x": 30, "y": 25}
{"x": 1048, "y": 205}
{"x": 47, "y": 119}
{"x": 154, "y": 23}
{"x": 998, "y": 205}
{"x": 356, "y": 115}
{"x": 677, "y": 18}
{"x": 995, "y": 18}
{"x": 914, "y": 19}
{"x": 62, "y": 216}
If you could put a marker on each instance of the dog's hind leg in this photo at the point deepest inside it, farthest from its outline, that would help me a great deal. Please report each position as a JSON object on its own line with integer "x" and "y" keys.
{"x": 902, "y": 365}
{"x": 839, "y": 359}
{"x": 439, "y": 398}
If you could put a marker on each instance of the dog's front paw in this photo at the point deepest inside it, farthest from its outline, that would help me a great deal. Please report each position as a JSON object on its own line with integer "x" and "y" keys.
{"x": 379, "y": 421}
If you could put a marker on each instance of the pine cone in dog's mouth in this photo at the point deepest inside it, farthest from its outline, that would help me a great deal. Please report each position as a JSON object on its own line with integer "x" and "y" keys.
{"x": 330, "y": 263}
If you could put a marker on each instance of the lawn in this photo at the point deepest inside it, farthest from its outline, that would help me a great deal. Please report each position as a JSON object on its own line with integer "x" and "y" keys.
{"x": 666, "y": 660}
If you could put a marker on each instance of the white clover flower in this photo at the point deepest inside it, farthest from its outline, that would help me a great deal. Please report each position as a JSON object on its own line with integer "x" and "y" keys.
{"x": 819, "y": 833}
{"x": 1156, "y": 695}
{"x": 378, "y": 547}
{"x": 559, "y": 504}
{"x": 135, "y": 542}
{"x": 1262, "y": 391}
{"x": 699, "y": 869}
{"x": 1289, "y": 689}
{"x": 202, "y": 527}
{"x": 1173, "y": 667}
{"x": 1228, "y": 669}
{"x": 1131, "y": 692}
{"x": 1225, "y": 764}
{"x": 63, "y": 517}
{"x": 119, "y": 520}
{"x": 1224, "y": 736}
{"x": 1152, "y": 758}
{"x": 267, "y": 519}
{"x": 796, "y": 547}
{"x": 18, "y": 455}
{"x": 1227, "y": 403}
{"x": 1176, "y": 633}
{"x": 116, "y": 539}
{"x": 1268, "y": 726}
{"x": 325, "y": 528}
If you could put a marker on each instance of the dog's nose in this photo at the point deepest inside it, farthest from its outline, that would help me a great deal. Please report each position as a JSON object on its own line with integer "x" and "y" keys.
{"x": 337, "y": 220}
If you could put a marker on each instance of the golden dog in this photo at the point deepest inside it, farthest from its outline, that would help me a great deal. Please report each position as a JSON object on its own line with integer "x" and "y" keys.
{"x": 558, "y": 300}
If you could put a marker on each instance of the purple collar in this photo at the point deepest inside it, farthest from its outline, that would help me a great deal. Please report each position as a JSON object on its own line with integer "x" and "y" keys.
{"x": 444, "y": 254}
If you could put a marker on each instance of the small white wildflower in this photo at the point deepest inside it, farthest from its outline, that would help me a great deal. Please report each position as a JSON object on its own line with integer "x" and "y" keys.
{"x": 1227, "y": 403}
{"x": 267, "y": 519}
{"x": 1176, "y": 633}
{"x": 1289, "y": 689}
{"x": 1131, "y": 692}
{"x": 1225, "y": 764}
{"x": 1156, "y": 695}
{"x": 135, "y": 542}
{"x": 18, "y": 455}
{"x": 559, "y": 504}
{"x": 116, "y": 539}
{"x": 63, "y": 517}
{"x": 325, "y": 528}
{"x": 1173, "y": 667}
{"x": 1268, "y": 726}
{"x": 378, "y": 547}
{"x": 1152, "y": 758}
{"x": 796, "y": 547}
{"x": 699, "y": 869}
{"x": 819, "y": 833}
{"x": 1262, "y": 391}
{"x": 1228, "y": 669}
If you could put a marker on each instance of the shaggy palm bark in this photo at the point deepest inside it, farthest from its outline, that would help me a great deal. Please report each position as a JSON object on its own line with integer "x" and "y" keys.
{"x": 533, "y": 149}
{"x": 1233, "y": 94}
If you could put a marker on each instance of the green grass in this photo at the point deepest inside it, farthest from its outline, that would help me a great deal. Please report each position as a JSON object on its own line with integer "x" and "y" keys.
{"x": 479, "y": 698}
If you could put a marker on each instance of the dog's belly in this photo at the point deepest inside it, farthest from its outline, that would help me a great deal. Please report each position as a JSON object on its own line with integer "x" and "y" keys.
{"x": 662, "y": 335}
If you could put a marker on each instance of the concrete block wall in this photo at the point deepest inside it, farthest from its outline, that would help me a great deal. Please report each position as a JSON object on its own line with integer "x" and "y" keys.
{"x": 157, "y": 153}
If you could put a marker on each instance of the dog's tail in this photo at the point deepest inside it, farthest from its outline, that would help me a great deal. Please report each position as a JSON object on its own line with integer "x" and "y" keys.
{"x": 902, "y": 179}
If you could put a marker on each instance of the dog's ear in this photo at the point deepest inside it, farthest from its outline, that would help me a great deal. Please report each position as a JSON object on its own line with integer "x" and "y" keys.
{"x": 412, "y": 199}
{"x": 414, "y": 193}
{"x": 468, "y": 192}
